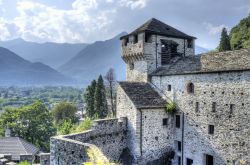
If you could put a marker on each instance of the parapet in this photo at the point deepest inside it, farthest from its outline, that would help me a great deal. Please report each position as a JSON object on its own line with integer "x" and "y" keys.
{"x": 108, "y": 135}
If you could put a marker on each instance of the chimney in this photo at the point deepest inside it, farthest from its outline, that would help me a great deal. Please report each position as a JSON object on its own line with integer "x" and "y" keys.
{"x": 7, "y": 132}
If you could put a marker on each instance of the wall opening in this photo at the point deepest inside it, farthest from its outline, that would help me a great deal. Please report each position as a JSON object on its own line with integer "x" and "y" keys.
{"x": 214, "y": 105}
{"x": 169, "y": 87}
{"x": 190, "y": 88}
{"x": 211, "y": 129}
{"x": 177, "y": 121}
{"x": 165, "y": 121}
{"x": 209, "y": 160}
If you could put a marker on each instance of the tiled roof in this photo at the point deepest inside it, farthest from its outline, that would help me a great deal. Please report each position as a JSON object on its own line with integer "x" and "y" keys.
{"x": 180, "y": 65}
{"x": 237, "y": 60}
{"x": 157, "y": 27}
{"x": 142, "y": 95}
{"x": 16, "y": 146}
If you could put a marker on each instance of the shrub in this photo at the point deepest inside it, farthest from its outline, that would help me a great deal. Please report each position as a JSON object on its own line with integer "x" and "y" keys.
{"x": 83, "y": 126}
{"x": 24, "y": 163}
{"x": 171, "y": 107}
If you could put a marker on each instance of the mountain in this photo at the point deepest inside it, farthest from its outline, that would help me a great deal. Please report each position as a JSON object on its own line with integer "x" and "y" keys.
{"x": 52, "y": 54}
{"x": 200, "y": 50}
{"x": 14, "y": 70}
{"x": 96, "y": 59}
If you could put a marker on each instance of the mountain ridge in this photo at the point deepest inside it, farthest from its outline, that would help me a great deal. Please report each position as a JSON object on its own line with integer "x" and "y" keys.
{"x": 47, "y": 52}
{"x": 15, "y": 70}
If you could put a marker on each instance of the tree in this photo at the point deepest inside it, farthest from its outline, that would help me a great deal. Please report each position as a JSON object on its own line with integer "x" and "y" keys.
{"x": 110, "y": 77}
{"x": 89, "y": 99}
{"x": 224, "y": 41}
{"x": 65, "y": 111}
{"x": 100, "y": 102}
{"x": 240, "y": 34}
{"x": 32, "y": 123}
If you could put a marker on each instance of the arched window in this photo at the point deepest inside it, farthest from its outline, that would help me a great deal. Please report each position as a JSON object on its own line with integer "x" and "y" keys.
{"x": 190, "y": 87}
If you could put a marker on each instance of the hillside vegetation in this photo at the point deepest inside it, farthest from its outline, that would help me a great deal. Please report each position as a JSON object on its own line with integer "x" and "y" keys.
{"x": 240, "y": 34}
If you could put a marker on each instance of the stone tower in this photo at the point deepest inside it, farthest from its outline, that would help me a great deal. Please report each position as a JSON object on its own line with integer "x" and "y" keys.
{"x": 153, "y": 45}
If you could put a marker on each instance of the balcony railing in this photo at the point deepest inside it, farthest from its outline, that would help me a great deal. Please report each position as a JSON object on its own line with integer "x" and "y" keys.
{"x": 131, "y": 49}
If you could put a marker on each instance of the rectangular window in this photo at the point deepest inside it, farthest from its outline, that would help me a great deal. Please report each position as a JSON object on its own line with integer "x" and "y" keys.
{"x": 209, "y": 160}
{"x": 179, "y": 160}
{"x": 211, "y": 129}
{"x": 179, "y": 145}
{"x": 232, "y": 106}
{"x": 135, "y": 38}
{"x": 177, "y": 121}
{"x": 189, "y": 43}
{"x": 165, "y": 121}
{"x": 169, "y": 87}
{"x": 189, "y": 161}
{"x": 147, "y": 37}
{"x": 125, "y": 41}
{"x": 197, "y": 106}
{"x": 214, "y": 107}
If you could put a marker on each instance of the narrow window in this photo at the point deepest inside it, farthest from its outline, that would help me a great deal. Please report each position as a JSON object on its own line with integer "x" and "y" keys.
{"x": 131, "y": 66}
{"x": 189, "y": 43}
{"x": 135, "y": 38}
{"x": 147, "y": 37}
{"x": 214, "y": 107}
{"x": 169, "y": 87}
{"x": 179, "y": 145}
{"x": 232, "y": 106}
{"x": 126, "y": 41}
{"x": 177, "y": 121}
{"x": 209, "y": 160}
{"x": 189, "y": 161}
{"x": 165, "y": 121}
{"x": 190, "y": 88}
{"x": 211, "y": 129}
{"x": 197, "y": 106}
{"x": 179, "y": 160}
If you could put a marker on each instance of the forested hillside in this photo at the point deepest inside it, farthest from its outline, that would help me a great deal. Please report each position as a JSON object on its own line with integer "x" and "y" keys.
{"x": 240, "y": 34}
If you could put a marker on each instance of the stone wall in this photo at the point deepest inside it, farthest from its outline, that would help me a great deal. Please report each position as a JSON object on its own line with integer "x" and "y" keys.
{"x": 228, "y": 60}
{"x": 157, "y": 139}
{"x": 108, "y": 135}
{"x": 45, "y": 159}
{"x": 229, "y": 144}
{"x": 125, "y": 108}
{"x": 138, "y": 72}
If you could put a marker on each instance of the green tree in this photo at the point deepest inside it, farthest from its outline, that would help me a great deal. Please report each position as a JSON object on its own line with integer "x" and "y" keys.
{"x": 110, "y": 78}
{"x": 89, "y": 99}
{"x": 240, "y": 34}
{"x": 32, "y": 123}
{"x": 64, "y": 111}
{"x": 224, "y": 41}
{"x": 100, "y": 102}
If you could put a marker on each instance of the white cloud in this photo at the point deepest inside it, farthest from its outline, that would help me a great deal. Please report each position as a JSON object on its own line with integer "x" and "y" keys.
{"x": 82, "y": 23}
{"x": 214, "y": 30}
{"x": 134, "y": 4}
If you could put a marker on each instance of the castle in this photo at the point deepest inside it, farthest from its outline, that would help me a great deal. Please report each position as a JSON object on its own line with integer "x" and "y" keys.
{"x": 212, "y": 95}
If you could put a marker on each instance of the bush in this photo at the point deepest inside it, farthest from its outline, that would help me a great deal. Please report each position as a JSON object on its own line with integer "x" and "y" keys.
{"x": 24, "y": 163}
{"x": 68, "y": 127}
{"x": 171, "y": 107}
{"x": 83, "y": 126}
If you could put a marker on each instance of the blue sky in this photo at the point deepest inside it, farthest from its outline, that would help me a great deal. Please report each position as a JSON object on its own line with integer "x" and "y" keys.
{"x": 75, "y": 21}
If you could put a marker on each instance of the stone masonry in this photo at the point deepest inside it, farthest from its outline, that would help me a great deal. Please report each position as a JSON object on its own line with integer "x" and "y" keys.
{"x": 212, "y": 95}
{"x": 108, "y": 135}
